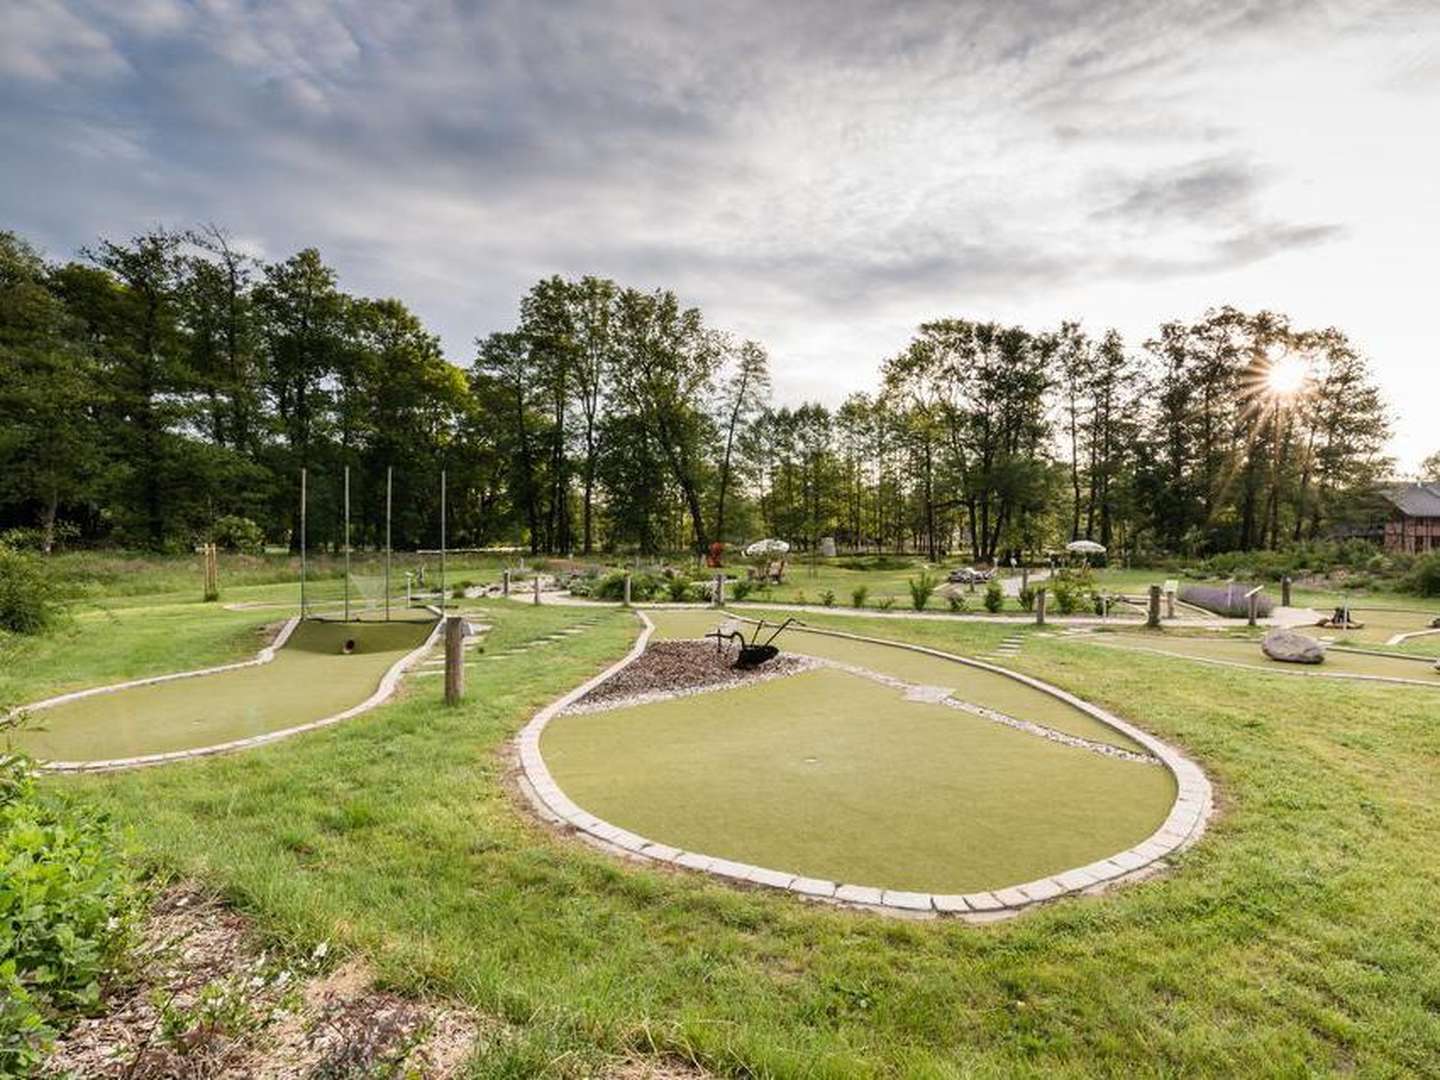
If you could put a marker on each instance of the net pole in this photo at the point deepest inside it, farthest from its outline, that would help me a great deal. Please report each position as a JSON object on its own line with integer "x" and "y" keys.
{"x": 389, "y": 493}
{"x": 303, "y": 474}
{"x": 347, "y": 543}
{"x": 442, "y": 539}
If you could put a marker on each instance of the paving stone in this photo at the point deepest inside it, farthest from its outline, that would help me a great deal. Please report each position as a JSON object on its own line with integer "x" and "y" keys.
{"x": 1012, "y": 897}
{"x": 776, "y": 878}
{"x": 1044, "y": 889}
{"x": 693, "y": 861}
{"x": 859, "y": 894}
{"x": 949, "y": 903}
{"x": 1077, "y": 879}
{"x": 910, "y": 901}
{"x": 983, "y": 901}
{"x": 813, "y": 886}
{"x": 732, "y": 869}
{"x": 661, "y": 851}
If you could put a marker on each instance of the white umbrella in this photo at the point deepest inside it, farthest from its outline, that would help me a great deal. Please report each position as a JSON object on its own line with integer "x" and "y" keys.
{"x": 1085, "y": 547}
{"x": 766, "y": 547}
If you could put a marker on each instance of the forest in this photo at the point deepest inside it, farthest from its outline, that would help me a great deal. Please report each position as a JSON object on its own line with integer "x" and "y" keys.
{"x": 168, "y": 390}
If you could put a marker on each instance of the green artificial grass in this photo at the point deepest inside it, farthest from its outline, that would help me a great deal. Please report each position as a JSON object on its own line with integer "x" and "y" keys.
{"x": 309, "y": 679}
{"x": 1248, "y": 653}
{"x": 828, "y": 774}
{"x": 1298, "y": 938}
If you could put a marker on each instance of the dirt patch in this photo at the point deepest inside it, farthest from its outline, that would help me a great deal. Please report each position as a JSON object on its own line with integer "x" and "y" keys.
{"x": 675, "y": 668}
{"x": 204, "y": 1000}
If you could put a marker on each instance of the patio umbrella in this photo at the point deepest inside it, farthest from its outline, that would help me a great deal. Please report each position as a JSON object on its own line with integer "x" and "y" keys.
{"x": 1085, "y": 547}
{"x": 766, "y": 547}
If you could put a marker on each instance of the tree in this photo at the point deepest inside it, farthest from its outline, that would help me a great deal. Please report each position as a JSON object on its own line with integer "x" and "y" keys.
{"x": 1430, "y": 467}
{"x": 744, "y": 391}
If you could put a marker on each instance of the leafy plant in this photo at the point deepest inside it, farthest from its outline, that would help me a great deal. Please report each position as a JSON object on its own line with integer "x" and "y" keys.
{"x": 742, "y": 588}
{"x": 885, "y": 603}
{"x": 1027, "y": 597}
{"x": 235, "y": 533}
{"x": 994, "y": 597}
{"x": 678, "y": 589}
{"x": 828, "y": 598}
{"x": 1424, "y": 579}
{"x": 922, "y": 588}
{"x": 28, "y": 598}
{"x": 858, "y": 595}
{"x": 957, "y": 602}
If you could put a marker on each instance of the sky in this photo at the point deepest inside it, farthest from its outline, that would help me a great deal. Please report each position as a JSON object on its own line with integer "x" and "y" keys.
{"x": 818, "y": 176}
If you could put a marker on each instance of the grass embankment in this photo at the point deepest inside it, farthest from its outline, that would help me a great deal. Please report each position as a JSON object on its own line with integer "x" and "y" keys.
{"x": 1300, "y": 936}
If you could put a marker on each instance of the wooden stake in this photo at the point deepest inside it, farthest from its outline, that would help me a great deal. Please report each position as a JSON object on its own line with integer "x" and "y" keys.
{"x": 1040, "y": 606}
{"x": 1153, "y": 619}
{"x": 454, "y": 659}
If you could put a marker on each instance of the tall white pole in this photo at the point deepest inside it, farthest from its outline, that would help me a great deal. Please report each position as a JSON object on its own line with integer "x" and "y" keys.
{"x": 442, "y": 539}
{"x": 347, "y": 543}
{"x": 303, "y": 473}
{"x": 389, "y": 493}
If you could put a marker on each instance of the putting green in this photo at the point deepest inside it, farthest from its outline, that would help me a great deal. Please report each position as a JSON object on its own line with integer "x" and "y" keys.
{"x": 976, "y": 685}
{"x": 1246, "y": 652}
{"x": 309, "y": 679}
{"x": 1381, "y": 624}
{"x": 832, "y": 775}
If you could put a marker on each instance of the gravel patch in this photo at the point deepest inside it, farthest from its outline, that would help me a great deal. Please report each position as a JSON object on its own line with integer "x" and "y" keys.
{"x": 671, "y": 669}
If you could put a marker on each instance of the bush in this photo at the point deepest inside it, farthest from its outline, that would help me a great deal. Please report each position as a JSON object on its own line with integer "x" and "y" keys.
{"x": 238, "y": 534}
{"x": 679, "y": 590}
{"x": 828, "y": 598}
{"x": 876, "y": 562}
{"x": 643, "y": 587}
{"x": 1069, "y": 595}
{"x": 957, "y": 603}
{"x": 29, "y": 602}
{"x": 1228, "y": 601}
{"x": 741, "y": 588}
{"x": 885, "y": 603}
{"x": 858, "y": 595}
{"x": 994, "y": 597}
{"x": 1424, "y": 579}
{"x": 922, "y": 588}
{"x": 66, "y": 907}
{"x": 1027, "y": 597}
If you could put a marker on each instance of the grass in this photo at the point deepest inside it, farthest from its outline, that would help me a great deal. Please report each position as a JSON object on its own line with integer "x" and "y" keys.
{"x": 830, "y": 775}
{"x": 309, "y": 679}
{"x": 1247, "y": 651}
{"x": 1300, "y": 937}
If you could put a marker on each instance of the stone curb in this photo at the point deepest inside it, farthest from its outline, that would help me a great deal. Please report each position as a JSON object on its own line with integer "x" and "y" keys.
{"x": 1185, "y": 824}
{"x": 388, "y": 682}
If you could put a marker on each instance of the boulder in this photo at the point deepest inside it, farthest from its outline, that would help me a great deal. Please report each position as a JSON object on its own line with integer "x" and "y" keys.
{"x": 1293, "y": 647}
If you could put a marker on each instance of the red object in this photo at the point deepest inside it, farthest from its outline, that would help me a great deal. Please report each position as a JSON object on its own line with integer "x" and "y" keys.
{"x": 717, "y": 549}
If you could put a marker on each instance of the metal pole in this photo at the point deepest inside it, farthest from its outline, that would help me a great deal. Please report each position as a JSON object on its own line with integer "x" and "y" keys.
{"x": 303, "y": 474}
{"x": 389, "y": 494}
{"x": 442, "y": 539}
{"x": 347, "y": 543}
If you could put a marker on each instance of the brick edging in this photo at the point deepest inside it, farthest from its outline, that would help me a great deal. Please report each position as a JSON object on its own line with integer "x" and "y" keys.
{"x": 1186, "y": 822}
{"x": 388, "y": 682}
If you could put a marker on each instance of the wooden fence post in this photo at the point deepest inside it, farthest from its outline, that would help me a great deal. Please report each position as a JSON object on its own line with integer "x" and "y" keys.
{"x": 1254, "y": 602}
{"x": 537, "y": 586}
{"x": 1285, "y": 591}
{"x": 719, "y": 594}
{"x": 627, "y": 588}
{"x": 1153, "y": 619}
{"x": 454, "y": 659}
{"x": 1040, "y": 606}
{"x": 505, "y": 581}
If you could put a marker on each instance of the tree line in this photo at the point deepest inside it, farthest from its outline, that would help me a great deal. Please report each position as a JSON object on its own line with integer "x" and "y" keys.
{"x": 156, "y": 391}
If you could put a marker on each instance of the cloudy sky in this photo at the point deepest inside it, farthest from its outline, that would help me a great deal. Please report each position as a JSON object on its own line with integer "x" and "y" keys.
{"x": 819, "y": 176}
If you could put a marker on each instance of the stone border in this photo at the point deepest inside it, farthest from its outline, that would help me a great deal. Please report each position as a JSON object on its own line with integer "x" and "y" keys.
{"x": 1303, "y": 670}
{"x": 388, "y": 682}
{"x": 1185, "y": 824}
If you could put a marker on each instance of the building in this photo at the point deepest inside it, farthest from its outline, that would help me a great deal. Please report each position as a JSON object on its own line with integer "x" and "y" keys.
{"x": 1414, "y": 524}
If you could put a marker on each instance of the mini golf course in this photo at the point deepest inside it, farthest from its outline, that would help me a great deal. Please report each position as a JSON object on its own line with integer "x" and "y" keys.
{"x": 312, "y": 677}
{"x": 932, "y": 783}
{"x": 1340, "y": 662}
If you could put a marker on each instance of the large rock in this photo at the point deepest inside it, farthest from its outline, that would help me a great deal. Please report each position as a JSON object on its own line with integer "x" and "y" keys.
{"x": 1293, "y": 647}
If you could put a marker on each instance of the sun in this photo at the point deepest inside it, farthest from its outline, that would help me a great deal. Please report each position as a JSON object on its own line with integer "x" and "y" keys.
{"x": 1287, "y": 376}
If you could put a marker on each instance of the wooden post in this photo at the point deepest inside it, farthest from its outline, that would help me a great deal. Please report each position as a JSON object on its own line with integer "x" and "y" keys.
{"x": 1285, "y": 591}
{"x": 1024, "y": 578}
{"x": 1169, "y": 604}
{"x": 719, "y": 593}
{"x": 1040, "y": 606}
{"x": 627, "y": 588}
{"x": 1153, "y": 619}
{"x": 505, "y": 581}
{"x": 454, "y": 659}
{"x": 1254, "y": 602}
{"x": 537, "y": 586}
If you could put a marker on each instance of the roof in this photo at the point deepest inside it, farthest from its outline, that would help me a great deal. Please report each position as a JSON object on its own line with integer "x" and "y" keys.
{"x": 1415, "y": 500}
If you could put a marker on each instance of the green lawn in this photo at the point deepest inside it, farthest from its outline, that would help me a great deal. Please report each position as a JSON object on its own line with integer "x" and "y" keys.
{"x": 1299, "y": 937}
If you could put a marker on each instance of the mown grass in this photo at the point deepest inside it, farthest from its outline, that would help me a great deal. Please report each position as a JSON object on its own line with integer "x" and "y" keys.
{"x": 1300, "y": 937}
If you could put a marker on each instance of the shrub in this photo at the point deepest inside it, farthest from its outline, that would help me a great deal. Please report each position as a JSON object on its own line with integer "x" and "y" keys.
{"x": 679, "y": 590}
{"x": 828, "y": 598}
{"x": 28, "y": 600}
{"x": 885, "y": 603}
{"x": 741, "y": 588}
{"x": 994, "y": 597}
{"x": 1424, "y": 579}
{"x": 875, "y": 562}
{"x": 1069, "y": 595}
{"x": 1027, "y": 597}
{"x": 238, "y": 534}
{"x": 643, "y": 587}
{"x": 858, "y": 595}
{"x": 801, "y": 598}
{"x": 957, "y": 602}
{"x": 922, "y": 588}
{"x": 66, "y": 907}
{"x": 1228, "y": 601}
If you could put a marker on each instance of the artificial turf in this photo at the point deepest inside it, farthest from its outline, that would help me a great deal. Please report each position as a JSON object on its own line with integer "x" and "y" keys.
{"x": 309, "y": 679}
{"x": 831, "y": 775}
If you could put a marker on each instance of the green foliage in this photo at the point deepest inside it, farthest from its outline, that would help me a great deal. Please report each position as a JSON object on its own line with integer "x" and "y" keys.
{"x": 28, "y": 596}
{"x": 875, "y": 562}
{"x": 643, "y": 587}
{"x": 1027, "y": 597}
{"x": 994, "y": 596}
{"x": 235, "y": 533}
{"x": 66, "y": 903}
{"x": 957, "y": 602}
{"x": 679, "y": 590}
{"x": 1071, "y": 594}
{"x": 922, "y": 588}
{"x": 1424, "y": 579}
{"x": 885, "y": 603}
{"x": 828, "y": 598}
{"x": 741, "y": 588}
{"x": 858, "y": 595}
